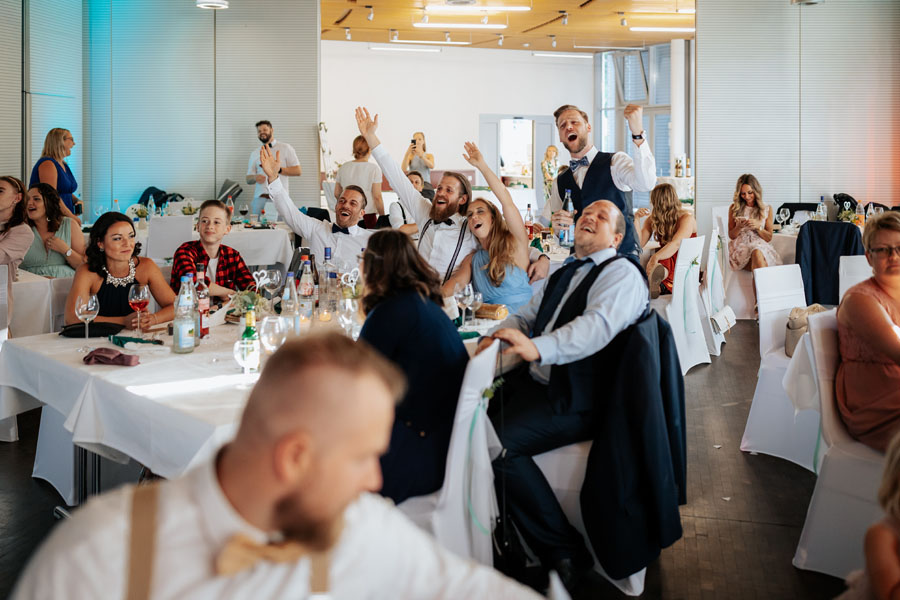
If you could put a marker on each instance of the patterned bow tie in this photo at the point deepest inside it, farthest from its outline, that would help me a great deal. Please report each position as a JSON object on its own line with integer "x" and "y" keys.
{"x": 339, "y": 229}
{"x": 581, "y": 162}
{"x": 241, "y": 553}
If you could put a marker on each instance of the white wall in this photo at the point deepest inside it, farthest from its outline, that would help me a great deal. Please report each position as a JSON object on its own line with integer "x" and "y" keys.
{"x": 442, "y": 94}
{"x": 11, "y": 89}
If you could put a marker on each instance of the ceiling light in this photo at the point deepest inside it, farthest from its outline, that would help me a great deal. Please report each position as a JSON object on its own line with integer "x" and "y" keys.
{"x": 371, "y": 14}
{"x": 562, "y": 55}
{"x": 500, "y": 40}
{"x": 553, "y": 41}
{"x": 425, "y": 18}
{"x": 403, "y": 49}
{"x": 430, "y": 42}
{"x": 687, "y": 11}
{"x": 446, "y": 36}
{"x": 347, "y": 33}
{"x": 623, "y": 22}
{"x": 473, "y": 10}
{"x": 484, "y": 19}
{"x": 565, "y": 19}
{"x": 607, "y": 47}
{"x": 460, "y": 25}
{"x": 665, "y": 29}
{"x": 212, "y": 4}
{"x": 394, "y": 35}
{"x": 526, "y": 45}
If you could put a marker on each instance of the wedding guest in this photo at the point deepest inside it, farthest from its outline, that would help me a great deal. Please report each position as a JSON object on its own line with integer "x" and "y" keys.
{"x": 498, "y": 268}
{"x": 53, "y": 169}
{"x": 345, "y": 237}
{"x": 281, "y": 511}
{"x": 288, "y": 165}
{"x": 405, "y": 321}
{"x": 58, "y": 246}
{"x": 112, "y": 265}
{"x": 750, "y": 227}
{"x": 549, "y": 169}
{"x": 417, "y": 158}
{"x": 668, "y": 223}
{"x": 868, "y": 377}
{"x": 15, "y": 235}
{"x": 226, "y": 272}
{"x": 361, "y": 173}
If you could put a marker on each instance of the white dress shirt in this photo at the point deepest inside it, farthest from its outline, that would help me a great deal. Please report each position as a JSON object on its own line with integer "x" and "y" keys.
{"x": 438, "y": 244}
{"x": 628, "y": 174}
{"x": 380, "y": 554}
{"x": 288, "y": 158}
{"x": 615, "y": 301}
{"x": 317, "y": 234}
{"x": 362, "y": 174}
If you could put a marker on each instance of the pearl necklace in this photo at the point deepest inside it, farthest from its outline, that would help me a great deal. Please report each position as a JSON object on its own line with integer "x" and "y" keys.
{"x": 121, "y": 281}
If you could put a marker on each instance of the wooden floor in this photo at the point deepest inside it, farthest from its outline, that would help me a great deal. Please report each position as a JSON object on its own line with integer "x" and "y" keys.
{"x": 741, "y": 523}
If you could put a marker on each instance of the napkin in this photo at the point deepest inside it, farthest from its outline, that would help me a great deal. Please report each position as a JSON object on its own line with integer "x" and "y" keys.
{"x": 497, "y": 312}
{"x": 451, "y": 308}
{"x": 468, "y": 335}
{"x": 121, "y": 340}
{"x": 108, "y": 356}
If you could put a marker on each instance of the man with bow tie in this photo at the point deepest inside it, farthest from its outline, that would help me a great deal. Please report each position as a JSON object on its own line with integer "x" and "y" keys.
{"x": 282, "y": 511}
{"x": 345, "y": 237}
{"x": 594, "y": 175}
{"x": 289, "y": 168}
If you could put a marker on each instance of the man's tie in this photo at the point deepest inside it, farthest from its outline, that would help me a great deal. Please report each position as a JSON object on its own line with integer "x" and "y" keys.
{"x": 241, "y": 553}
{"x": 554, "y": 295}
{"x": 581, "y": 162}
{"x": 339, "y": 229}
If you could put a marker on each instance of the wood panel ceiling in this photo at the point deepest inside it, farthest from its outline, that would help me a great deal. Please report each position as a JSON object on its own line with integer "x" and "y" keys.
{"x": 589, "y": 23}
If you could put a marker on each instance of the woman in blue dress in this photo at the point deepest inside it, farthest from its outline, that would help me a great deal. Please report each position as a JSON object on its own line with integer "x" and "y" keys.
{"x": 498, "y": 269}
{"x": 53, "y": 169}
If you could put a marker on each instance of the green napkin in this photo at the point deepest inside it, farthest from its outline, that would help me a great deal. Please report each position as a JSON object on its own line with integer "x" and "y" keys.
{"x": 468, "y": 335}
{"x": 121, "y": 340}
{"x": 536, "y": 243}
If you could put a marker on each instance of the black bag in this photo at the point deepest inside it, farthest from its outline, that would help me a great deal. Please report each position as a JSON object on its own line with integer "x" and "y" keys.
{"x": 158, "y": 196}
{"x": 102, "y": 329}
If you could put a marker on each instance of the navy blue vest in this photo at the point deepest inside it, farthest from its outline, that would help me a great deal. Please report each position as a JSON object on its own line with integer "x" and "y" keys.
{"x": 598, "y": 185}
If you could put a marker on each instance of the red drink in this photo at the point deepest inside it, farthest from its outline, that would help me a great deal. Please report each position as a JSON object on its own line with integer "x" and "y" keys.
{"x": 139, "y": 305}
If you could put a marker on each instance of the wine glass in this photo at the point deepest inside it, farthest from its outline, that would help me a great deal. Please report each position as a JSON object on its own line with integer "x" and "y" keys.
{"x": 879, "y": 210}
{"x": 98, "y": 211}
{"x": 821, "y": 213}
{"x": 477, "y": 302}
{"x": 86, "y": 309}
{"x": 347, "y": 309}
{"x": 785, "y": 214}
{"x": 464, "y": 298}
{"x": 246, "y": 353}
{"x": 138, "y": 300}
{"x": 272, "y": 283}
{"x": 244, "y": 209}
{"x": 272, "y": 333}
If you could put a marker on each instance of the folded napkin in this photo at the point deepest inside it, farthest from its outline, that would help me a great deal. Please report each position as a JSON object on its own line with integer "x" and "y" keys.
{"x": 121, "y": 340}
{"x": 108, "y": 356}
{"x": 468, "y": 335}
{"x": 497, "y": 312}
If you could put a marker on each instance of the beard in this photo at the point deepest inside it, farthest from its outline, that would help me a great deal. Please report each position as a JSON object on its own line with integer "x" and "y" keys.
{"x": 264, "y": 138}
{"x": 576, "y": 146}
{"x": 316, "y": 534}
{"x": 439, "y": 213}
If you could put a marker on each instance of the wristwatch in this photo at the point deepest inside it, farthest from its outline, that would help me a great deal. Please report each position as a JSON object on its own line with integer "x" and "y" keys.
{"x": 639, "y": 136}
{"x": 68, "y": 253}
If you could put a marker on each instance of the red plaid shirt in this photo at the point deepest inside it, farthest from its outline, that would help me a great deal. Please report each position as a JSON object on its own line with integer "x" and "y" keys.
{"x": 231, "y": 272}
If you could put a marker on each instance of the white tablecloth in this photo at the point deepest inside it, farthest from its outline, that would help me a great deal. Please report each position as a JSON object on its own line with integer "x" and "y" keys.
{"x": 800, "y": 379}
{"x": 257, "y": 246}
{"x": 786, "y": 246}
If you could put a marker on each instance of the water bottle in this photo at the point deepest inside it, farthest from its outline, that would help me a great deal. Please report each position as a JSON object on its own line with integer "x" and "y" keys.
{"x": 331, "y": 287}
{"x": 230, "y": 206}
{"x": 567, "y": 235}
{"x": 529, "y": 223}
{"x": 307, "y": 291}
{"x": 290, "y": 304}
{"x": 151, "y": 207}
{"x": 870, "y": 211}
{"x": 116, "y": 205}
{"x": 860, "y": 218}
{"x": 184, "y": 323}
{"x": 202, "y": 301}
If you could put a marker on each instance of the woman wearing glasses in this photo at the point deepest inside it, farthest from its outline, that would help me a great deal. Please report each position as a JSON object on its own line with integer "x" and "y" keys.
{"x": 868, "y": 379}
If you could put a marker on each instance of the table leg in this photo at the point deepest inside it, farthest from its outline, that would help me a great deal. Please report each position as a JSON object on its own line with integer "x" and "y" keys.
{"x": 80, "y": 475}
{"x": 95, "y": 474}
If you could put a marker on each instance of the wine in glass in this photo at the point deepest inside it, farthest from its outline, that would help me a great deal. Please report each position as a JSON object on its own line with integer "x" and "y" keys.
{"x": 86, "y": 309}
{"x": 139, "y": 300}
{"x": 244, "y": 210}
{"x": 272, "y": 333}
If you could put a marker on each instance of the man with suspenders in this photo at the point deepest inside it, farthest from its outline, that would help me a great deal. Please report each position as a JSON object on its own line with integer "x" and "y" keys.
{"x": 282, "y": 511}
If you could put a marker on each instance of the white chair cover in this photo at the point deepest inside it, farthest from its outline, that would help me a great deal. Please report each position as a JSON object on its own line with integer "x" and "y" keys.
{"x": 852, "y": 270}
{"x": 843, "y": 503}
{"x": 712, "y": 294}
{"x": 772, "y": 426}
{"x": 461, "y": 515}
{"x": 59, "y": 293}
{"x": 166, "y": 234}
{"x": 682, "y": 307}
{"x": 738, "y": 284}
{"x": 9, "y": 429}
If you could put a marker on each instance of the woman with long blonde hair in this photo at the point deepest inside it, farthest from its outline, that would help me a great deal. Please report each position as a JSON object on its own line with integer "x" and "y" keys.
{"x": 668, "y": 223}
{"x": 53, "y": 169}
{"x": 550, "y": 169}
{"x": 750, "y": 227}
{"x": 498, "y": 269}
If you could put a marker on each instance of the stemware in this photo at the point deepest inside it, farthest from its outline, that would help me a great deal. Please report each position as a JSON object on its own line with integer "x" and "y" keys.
{"x": 98, "y": 212}
{"x": 785, "y": 214}
{"x": 86, "y": 309}
{"x": 246, "y": 353}
{"x": 464, "y": 298}
{"x": 139, "y": 300}
{"x": 272, "y": 333}
{"x": 477, "y": 302}
{"x": 879, "y": 210}
{"x": 347, "y": 310}
{"x": 271, "y": 283}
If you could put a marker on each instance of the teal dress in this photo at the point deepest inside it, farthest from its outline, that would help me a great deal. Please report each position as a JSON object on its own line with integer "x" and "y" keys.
{"x": 49, "y": 264}
{"x": 513, "y": 291}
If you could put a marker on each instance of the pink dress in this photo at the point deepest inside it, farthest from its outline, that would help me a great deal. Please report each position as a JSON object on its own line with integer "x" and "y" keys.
{"x": 741, "y": 247}
{"x": 867, "y": 385}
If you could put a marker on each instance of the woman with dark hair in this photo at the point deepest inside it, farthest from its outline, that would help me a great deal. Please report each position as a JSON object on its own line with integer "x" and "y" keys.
{"x": 362, "y": 173}
{"x": 53, "y": 169}
{"x": 111, "y": 267}
{"x": 15, "y": 235}
{"x": 498, "y": 268}
{"x": 58, "y": 246}
{"x": 405, "y": 321}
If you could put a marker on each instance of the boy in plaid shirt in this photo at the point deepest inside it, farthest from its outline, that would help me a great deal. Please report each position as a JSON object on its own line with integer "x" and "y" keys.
{"x": 232, "y": 275}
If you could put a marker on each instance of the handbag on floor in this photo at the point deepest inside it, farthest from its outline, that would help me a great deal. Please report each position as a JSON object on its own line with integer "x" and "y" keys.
{"x": 798, "y": 324}
{"x": 723, "y": 320}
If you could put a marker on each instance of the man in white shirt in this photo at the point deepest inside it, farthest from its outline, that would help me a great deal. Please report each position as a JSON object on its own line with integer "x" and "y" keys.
{"x": 345, "y": 237}
{"x": 283, "y": 511}
{"x": 289, "y": 168}
{"x": 594, "y": 175}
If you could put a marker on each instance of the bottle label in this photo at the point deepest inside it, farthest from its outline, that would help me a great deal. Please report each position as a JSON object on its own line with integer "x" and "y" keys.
{"x": 184, "y": 335}
{"x": 307, "y": 288}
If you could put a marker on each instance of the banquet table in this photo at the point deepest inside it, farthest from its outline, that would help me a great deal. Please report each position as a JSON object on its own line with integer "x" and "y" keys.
{"x": 257, "y": 246}
{"x": 786, "y": 246}
{"x": 36, "y": 301}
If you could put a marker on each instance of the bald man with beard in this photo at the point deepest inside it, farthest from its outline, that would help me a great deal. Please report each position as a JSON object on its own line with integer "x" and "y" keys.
{"x": 282, "y": 511}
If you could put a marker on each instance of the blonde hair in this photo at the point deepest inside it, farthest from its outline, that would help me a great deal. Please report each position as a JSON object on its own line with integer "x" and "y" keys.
{"x": 547, "y": 151}
{"x": 889, "y": 492}
{"x": 501, "y": 245}
{"x": 888, "y": 221}
{"x": 54, "y": 144}
{"x": 666, "y": 212}
{"x": 738, "y": 203}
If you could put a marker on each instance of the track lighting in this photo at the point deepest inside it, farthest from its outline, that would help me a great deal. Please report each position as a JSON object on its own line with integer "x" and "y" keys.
{"x": 565, "y": 19}
{"x": 500, "y": 40}
{"x": 446, "y": 36}
{"x": 347, "y": 33}
{"x": 394, "y": 34}
{"x": 371, "y": 14}
{"x": 553, "y": 41}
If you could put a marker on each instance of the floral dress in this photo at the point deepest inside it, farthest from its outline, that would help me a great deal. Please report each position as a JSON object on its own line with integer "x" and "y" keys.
{"x": 550, "y": 169}
{"x": 741, "y": 247}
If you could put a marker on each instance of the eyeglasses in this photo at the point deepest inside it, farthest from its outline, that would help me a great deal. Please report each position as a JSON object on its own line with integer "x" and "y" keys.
{"x": 885, "y": 251}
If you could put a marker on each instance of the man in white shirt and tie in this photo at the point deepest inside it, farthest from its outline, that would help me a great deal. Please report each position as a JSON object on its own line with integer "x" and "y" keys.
{"x": 345, "y": 237}
{"x": 282, "y": 511}
{"x": 594, "y": 175}
{"x": 289, "y": 168}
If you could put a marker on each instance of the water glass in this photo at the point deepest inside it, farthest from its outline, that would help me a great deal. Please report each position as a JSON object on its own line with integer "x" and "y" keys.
{"x": 348, "y": 308}
{"x": 464, "y": 298}
{"x": 272, "y": 333}
{"x": 785, "y": 214}
{"x": 477, "y": 302}
{"x": 86, "y": 309}
{"x": 246, "y": 353}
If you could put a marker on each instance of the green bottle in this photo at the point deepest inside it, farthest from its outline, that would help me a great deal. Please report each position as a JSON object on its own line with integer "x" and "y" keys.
{"x": 250, "y": 332}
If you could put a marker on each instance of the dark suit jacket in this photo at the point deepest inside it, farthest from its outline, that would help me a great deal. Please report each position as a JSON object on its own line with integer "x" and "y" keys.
{"x": 820, "y": 247}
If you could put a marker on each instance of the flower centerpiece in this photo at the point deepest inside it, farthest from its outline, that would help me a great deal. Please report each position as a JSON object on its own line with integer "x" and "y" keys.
{"x": 141, "y": 211}
{"x": 188, "y": 210}
{"x": 240, "y": 302}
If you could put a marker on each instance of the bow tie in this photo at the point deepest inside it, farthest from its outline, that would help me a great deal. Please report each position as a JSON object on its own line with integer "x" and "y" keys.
{"x": 447, "y": 222}
{"x": 241, "y": 553}
{"x": 339, "y": 229}
{"x": 581, "y": 162}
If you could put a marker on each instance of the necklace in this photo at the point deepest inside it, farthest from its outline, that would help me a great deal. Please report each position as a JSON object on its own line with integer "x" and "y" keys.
{"x": 121, "y": 281}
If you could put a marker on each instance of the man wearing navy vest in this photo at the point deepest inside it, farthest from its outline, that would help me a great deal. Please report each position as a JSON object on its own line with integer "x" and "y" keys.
{"x": 547, "y": 405}
{"x": 594, "y": 175}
